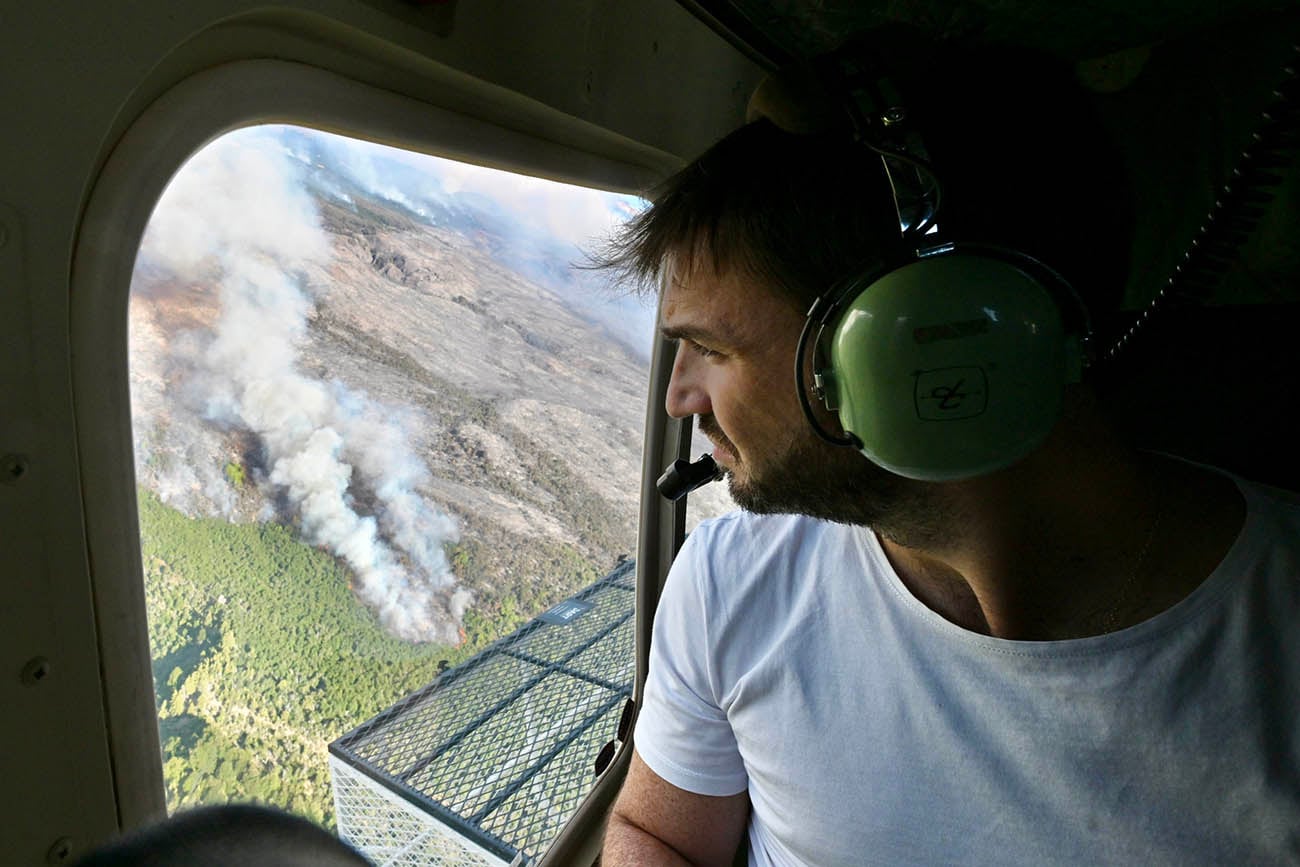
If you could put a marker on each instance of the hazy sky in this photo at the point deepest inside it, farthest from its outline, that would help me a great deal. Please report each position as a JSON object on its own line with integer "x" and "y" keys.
{"x": 244, "y": 212}
{"x": 545, "y": 222}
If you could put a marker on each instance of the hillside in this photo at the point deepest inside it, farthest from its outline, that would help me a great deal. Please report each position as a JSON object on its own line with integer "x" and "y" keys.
{"x": 391, "y": 385}
{"x": 372, "y": 435}
{"x": 262, "y": 657}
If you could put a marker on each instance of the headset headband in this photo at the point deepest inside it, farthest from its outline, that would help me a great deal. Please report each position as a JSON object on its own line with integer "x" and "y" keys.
{"x": 1020, "y": 342}
{"x": 880, "y": 121}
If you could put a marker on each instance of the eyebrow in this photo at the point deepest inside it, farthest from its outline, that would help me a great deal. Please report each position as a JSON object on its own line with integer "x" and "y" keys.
{"x": 723, "y": 337}
{"x": 682, "y": 332}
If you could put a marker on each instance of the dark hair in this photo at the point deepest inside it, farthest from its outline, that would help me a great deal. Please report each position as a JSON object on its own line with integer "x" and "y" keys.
{"x": 242, "y": 835}
{"x": 1023, "y": 159}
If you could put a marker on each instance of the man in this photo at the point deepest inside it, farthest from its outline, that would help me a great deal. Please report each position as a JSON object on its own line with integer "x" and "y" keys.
{"x": 1087, "y": 656}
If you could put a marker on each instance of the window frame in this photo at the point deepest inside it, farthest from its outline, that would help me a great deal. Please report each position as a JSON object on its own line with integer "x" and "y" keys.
{"x": 188, "y": 116}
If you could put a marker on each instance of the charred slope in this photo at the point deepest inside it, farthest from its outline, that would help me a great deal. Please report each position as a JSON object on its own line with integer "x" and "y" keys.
{"x": 523, "y": 418}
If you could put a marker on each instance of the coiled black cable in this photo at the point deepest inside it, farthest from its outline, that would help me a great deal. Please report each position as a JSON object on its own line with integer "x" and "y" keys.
{"x": 1241, "y": 204}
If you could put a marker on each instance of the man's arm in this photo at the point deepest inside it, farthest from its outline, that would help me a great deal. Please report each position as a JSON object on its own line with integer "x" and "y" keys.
{"x": 655, "y": 823}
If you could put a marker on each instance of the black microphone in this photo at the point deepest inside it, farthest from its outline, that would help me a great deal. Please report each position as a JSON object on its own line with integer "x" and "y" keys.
{"x": 683, "y": 476}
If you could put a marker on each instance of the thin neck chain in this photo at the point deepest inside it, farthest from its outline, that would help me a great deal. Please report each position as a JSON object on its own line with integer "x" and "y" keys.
{"x": 1112, "y": 620}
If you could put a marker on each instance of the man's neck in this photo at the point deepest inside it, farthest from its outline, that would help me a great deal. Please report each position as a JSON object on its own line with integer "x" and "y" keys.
{"x": 1102, "y": 542}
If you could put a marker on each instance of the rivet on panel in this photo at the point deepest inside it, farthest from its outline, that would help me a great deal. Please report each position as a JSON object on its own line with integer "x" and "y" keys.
{"x": 12, "y": 469}
{"x": 36, "y": 670}
{"x": 60, "y": 852}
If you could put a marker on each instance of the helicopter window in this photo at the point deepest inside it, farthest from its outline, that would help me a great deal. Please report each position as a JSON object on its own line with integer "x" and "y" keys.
{"x": 381, "y": 425}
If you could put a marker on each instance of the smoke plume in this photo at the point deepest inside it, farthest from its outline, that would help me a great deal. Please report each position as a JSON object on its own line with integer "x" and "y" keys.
{"x": 238, "y": 215}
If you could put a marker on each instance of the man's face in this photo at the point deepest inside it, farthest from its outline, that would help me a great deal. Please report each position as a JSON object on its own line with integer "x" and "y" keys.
{"x": 735, "y": 370}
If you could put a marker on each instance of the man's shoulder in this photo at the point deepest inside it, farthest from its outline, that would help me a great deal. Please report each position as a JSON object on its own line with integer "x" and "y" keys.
{"x": 742, "y": 553}
{"x": 1269, "y": 497}
{"x": 1272, "y": 527}
{"x": 747, "y": 529}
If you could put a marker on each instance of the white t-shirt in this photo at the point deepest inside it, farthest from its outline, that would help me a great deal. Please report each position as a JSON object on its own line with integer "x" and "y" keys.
{"x": 788, "y": 659}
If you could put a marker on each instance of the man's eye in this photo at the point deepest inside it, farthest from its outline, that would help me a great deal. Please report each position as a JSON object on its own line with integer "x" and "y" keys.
{"x": 703, "y": 351}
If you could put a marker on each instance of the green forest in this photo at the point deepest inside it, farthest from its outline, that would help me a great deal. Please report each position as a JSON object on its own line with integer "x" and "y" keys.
{"x": 262, "y": 656}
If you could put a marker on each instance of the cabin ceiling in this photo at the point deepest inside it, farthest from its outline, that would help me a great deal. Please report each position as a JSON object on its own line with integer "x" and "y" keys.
{"x": 1184, "y": 85}
{"x": 774, "y": 31}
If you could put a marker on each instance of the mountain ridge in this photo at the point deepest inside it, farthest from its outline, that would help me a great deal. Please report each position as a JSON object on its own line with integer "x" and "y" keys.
{"x": 525, "y": 414}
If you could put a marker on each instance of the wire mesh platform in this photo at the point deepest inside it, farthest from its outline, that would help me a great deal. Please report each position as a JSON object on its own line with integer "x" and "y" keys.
{"x": 484, "y": 765}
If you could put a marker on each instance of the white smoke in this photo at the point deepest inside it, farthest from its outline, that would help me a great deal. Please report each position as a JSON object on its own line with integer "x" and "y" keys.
{"x": 545, "y": 226}
{"x": 238, "y": 210}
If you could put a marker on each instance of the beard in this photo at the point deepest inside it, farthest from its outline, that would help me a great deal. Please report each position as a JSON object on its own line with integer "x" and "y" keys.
{"x": 836, "y": 483}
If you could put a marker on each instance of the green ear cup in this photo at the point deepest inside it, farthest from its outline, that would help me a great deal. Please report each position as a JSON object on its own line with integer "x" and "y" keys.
{"x": 950, "y": 367}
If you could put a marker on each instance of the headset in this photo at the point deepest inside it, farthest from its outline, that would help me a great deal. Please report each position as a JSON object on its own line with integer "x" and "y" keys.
{"x": 950, "y": 361}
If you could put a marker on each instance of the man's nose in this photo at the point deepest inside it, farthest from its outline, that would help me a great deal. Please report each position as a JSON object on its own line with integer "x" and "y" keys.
{"x": 687, "y": 394}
